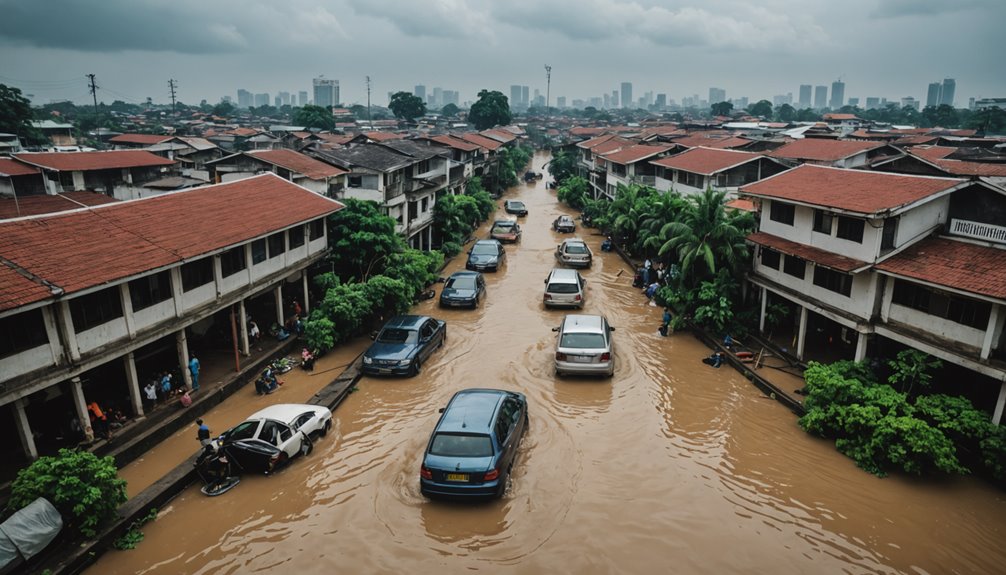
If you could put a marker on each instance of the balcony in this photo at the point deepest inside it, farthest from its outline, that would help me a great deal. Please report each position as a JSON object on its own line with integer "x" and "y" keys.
{"x": 978, "y": 230}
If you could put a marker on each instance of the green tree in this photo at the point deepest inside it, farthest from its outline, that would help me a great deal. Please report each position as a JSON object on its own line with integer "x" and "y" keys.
{"x": 85, "y": 489}
{"x": 311, "y": 116}
{"x": 407, "y": 106}
{"x": 912, "y": 367}
{"x": 761, "y": 108}
{"x": 223, "y": 109}
{"x": 562, "y": 166}
{"x": 988, "y": 121}
{"x": 361, "y": 237}
{"x": 16, "y": 114}
{"x": 807, "y": 115}
{"x": 491, "y": 109}
{"x": 785, "y": 113}
{"x": 575, "y": 192}
{"x": 721, "y": 109}
{"x": 450, "y": 110}
{"x": 944, "y": 116}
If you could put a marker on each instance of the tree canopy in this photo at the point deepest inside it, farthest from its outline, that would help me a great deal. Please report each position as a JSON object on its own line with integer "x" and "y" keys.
{"x": 450, "y": 110}
{"x": 361, "y": 238}
{"x": 407, "y": 106}
{"x": 761, "y": 108}
{"x": 311, "y": 116}
{"x": 15, "y": 112}
{"x": 492, "y": 109}
{"x": 721, "y": 108}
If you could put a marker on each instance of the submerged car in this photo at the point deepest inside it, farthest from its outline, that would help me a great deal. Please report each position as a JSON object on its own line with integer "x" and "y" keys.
{"x": 516, "y": 207}
{"x": 486, "y": 255}
{"x": 505, "y": 231}
{"x": 463, "y": 289}
{"x": 564, "y": 224}
{"x": 584, "y": 346}
{"x": 473, "y": 447}
{"x": 564, "y": 288}
{"x": 272, "y": 437}
{"x": 574, "y": 253}
{"x": 403, "y": 344}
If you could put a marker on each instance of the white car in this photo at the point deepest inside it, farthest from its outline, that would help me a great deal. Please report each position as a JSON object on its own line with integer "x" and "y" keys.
{"x": 272, "y": 437}
{"x": 584, "y": 346}
{"x": 574, "y": 253}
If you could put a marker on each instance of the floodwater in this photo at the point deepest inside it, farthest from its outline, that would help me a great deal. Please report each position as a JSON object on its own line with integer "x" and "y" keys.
{"x": 669, "y": 466}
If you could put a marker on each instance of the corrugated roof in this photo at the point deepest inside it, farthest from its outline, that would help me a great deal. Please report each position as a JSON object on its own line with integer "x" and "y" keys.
{"x": 959, "y": 265}
{"x": 851, "y": 190}
{"x": 297, "y": 162}
{"x": 11, "y": 167}
{"x": 706, "y": 161}
{"x": 91, "y": 247}
{"x": 456, "y": 143}
{"x": 143, "y": 139}
{"x": 823, "y": 149}
{"x": 84, "y": 161}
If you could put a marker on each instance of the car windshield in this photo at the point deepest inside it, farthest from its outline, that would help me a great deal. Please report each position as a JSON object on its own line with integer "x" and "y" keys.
{"x": 582, "y": 340}
{"x": 517, "y": 205}
{"x": 460, "y": 445}
{"x": 398, "y": 335}
{"x": 576, "y": 249}
{"x": 504, "y": 228}
{"x": 484, "y": 250}
{"x": 562, "y": 288}
{"x": 565, "y": 220}
{"x": 244, "y": 430}
{"x": 463, "y": 282}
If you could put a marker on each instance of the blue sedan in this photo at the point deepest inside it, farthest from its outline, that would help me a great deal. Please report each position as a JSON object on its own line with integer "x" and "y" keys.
{"x": 403, "y": 344}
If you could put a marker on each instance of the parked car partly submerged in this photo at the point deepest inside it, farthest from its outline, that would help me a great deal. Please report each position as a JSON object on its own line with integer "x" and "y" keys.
{"x": 564, "y": 224}
{"x": 463, "y": 289}
{"x": 584, "y": 346}
{"x": 272, "y": 437}
{"x": 574, "y": 253}
{"x": 505, "y": 231}
{"x": 473, "y": 447}
{"x": 515, "y": 207}
{"x": 486, "y": 255}
{"x": 403, "y": 344}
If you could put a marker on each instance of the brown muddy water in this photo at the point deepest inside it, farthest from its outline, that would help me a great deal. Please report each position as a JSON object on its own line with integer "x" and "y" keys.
{"x": 670, "y": 466}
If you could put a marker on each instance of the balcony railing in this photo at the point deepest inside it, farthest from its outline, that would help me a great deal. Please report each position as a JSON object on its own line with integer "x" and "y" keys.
{"x": 978, "y": 230}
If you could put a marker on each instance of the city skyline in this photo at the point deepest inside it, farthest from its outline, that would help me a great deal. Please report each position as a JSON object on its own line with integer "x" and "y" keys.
{"x": 758, "y": 52}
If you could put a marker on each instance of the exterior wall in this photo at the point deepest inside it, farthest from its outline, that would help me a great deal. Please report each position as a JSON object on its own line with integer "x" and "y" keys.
{"x": 917, "y": 223}
{"x": 859, "y": 303}
{"x": 26, "y": 361}
{"x": 362, "y": 194}
{"x": 200, "y": 295}
{"x": 101, "y": 335}
{"x": 937, "y": 326}
{"x": 153, "y": 315}
{"x": 317, "y": 186}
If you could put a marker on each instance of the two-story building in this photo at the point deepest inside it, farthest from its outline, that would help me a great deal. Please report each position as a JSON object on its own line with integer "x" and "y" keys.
{"x": 190, "y": 153}
{"x": 837, "y": 153}
{"x": 119, "y": 174}
{"x": 301, "y": 169}
{"x": 871, "y": 258}
{"x": 696, "y": 169}
{"x": 590, "y": 167}
{"x": 89, "y": 295}
{"x": 136, "y": 141}
{"x": 632, "y": 165}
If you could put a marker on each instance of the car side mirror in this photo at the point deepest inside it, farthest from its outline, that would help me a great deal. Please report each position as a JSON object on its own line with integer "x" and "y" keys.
{"x": 441, "y": 410}
{"x": 611, "y": 328}
{"x": 373, "y": 335}
{"x": 555, "y": 329}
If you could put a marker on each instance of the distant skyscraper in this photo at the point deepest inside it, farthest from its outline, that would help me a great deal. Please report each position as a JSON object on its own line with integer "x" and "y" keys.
{"x": 302, "y": 98}
{"x": 717, "y": 95}
{"x": 438, "y": 97}
{"x": 614, "y": 98}
{"x": 626, "y": 94}
{"x": 245, "y": 99}
{"x": 420, "y": 92}
{"x": 560, "y": 102}
{"x": 805, "y": 95}
{"x": 910, "y": 102}
{"x": 525, "y": 96}
{"x": 933, "y": 94}
{"x": 326, "y": 92}
{"x": 514, "y": 95}
{"x": 854, "y": 101}
{"x": 661, "y": 102}
{"x": 261, "y": 100}
{"x": 947, "y": 94}
{"x": 872, "y": 102}
{"x": 450, "y": 97}
{"x": 820, "y": 97}
{"x": 837, "y": 94}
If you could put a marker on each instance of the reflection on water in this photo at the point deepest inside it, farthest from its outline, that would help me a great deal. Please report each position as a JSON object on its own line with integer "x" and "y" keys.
{"x": 669, "y": 466}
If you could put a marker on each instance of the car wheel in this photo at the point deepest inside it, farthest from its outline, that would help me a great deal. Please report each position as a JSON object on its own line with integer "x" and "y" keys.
{"x": 324, "y": 430}
{"x": 416, "y": 366}
{"x": 306, "y": 445}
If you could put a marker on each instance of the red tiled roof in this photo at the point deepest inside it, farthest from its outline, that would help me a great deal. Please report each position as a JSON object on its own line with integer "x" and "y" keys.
{"x": 11, "y": 167}
{"x": 954, "y": 264}
{"x": 965, "y": 168}
{"x": 299, "y": 163}
{"x": 243, "y": 132}
{"x": 590, "y": 132}
{"x": 809, "y": 253}
{"x": 487, "y": 143}
{"x": 822, "y": 149}
{"x": 931, "y": 152}
{"x": 589, "y": 144}
{"x": 635, "y": 153}
{"x": 501, "y": 135}
{"x": 88, "y": 248}
{"x": 47, "y": 204}
{"x": 706, "y": 161}
{"x": 711, "y": 140}
{"x": 84, "y": 161}
{"x": 914, "y": 140}
{"x": 456, "y": 143}
{"x": 19, "y": 290}
{"x": 852, "y": 190}
{"x": 144, "y": 139}
{"x": 383, "y": 136}
{"x": 840, "y": 117}
{"x": 335, "y": 138}
{"x": 742, "y": 204}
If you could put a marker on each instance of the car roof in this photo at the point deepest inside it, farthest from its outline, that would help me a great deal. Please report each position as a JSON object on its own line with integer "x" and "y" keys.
{"x": 406, "y": 321}
{"x": 471, "y": 410}
{"x": 573, "y": 241}
{"x": 464, "y": 274}
{"x": 563, "y": 274}
{"x": 581, "y": 323}
{"x": 515, "y": 202}
{"x": 493, "y": 242}
{"x": 505, "y": 222}
{"x": 283, "y": 411}
{"x": 565, "y": 217}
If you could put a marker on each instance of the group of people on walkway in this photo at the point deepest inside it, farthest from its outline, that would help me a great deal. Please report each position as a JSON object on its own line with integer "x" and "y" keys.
{"x": 163, "y": 385}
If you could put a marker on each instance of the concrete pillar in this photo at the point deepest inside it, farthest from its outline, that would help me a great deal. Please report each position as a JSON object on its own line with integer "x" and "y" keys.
{"x": 80, "y": 406}
{"x": 861, "y": 342}
{"x": 133, "y": 383}
{"x": 65, "y": 325}
{"x": 243, "y": 328}
{"x": 802, "y": 335}
{"x": 52, "y": 334}
{"x": 278, "y": 292}
{"x": 183, "y": 356}
{"x": 429, "y": 237}
{"x": 127, "y": 309}
{"x": 305, "y": 304}
{"x": 24, "y": 429}
{"x": 761, "y": 315}
{"x": 998, "y": 415}
{"x": 176, "y": 290}
{"x": 990, "y": 331}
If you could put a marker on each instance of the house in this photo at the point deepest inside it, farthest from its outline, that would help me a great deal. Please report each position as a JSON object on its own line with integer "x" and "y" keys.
{"x": 588, "y": 165}
{"x": 487, "y": 158}
{"x": 190, "y": 153}
{"x": 20, "y": 179}
{"x": 303, "y": 170}
{"x": 119, "y": 174}
{"x": 59, "y": 134}
{"x": 9, "y": 143}
{"x": 630, "y": 165}
{"x": 94, "y": 298}
{"x": 837, "y": 153}
{"x": 885, "y": 261}
{"x": 136, "y": 141}
{"x": 693, "y": 170}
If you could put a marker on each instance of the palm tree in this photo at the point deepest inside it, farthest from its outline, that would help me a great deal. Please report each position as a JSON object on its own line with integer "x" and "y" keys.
{"x": 628, "y": 209}
{"x": 663, "y": 209}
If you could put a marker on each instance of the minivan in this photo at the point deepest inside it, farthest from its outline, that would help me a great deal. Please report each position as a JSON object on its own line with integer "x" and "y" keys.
{"x": 564, "y": 288}
{"x": 473, "y": 447}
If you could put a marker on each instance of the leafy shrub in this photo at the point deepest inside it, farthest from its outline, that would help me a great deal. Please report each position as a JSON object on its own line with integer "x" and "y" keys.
{"x": 131, "y": 538}
{"x": 85, "y": 489}
{"x": 450, "y": 249}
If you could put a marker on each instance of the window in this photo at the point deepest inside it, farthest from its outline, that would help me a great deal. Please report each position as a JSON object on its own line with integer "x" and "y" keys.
{"x": 197, "y": 273}
{"x": 147, "y": 291}
{"x": 969, "y": 312}
{"x": 296, "y": 237}
{"x": 911, "y": 295}
{"x": 822, "y": 222}
{"x": 690, "y": 179}
{"x": 796, "y": 267}
{"x": 890, "y": 234}
{"x": 851, "y": 229}
{"x": 770, "y": 258}
{"x": 277, "y": 244}
{"x": 782, "y": 212}
{"x": 95, "y": 308}
{"x": 830, "y": 279}
{"x": 461, "y": 445}
{"x": 413, "y": 210}
{"x": 962, "y": 310}
{"x": 425, "y": 205}
{"x": 18, "y": 332}
{"x": 232, "y": 261}
{"x": 355, "y": 181}
{"x": 258, "y": 251}
{"x": 317, "y": 229}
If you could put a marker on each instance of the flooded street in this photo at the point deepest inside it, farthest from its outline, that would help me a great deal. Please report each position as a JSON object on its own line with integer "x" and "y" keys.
{"x": 669, "y": 466}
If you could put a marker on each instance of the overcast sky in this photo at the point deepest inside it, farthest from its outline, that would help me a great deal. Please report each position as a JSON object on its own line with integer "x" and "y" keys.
{"x": 887, "y": 48}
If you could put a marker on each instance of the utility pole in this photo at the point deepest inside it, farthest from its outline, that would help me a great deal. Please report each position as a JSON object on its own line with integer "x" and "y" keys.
{"x": 369, "y": 121}
{"x": 174, "y": 107}
{"x": 94, "y": 94}
{"x": 548, "y": 87}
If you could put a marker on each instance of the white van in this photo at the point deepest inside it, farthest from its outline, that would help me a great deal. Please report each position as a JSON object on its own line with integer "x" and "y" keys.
{"x": 564, "y": 288}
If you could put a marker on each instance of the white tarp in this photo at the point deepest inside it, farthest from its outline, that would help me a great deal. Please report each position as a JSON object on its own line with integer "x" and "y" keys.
{"x": 28, "y": 531}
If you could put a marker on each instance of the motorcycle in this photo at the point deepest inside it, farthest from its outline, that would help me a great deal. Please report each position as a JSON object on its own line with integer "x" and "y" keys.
{"x": 214, "y": 467}
{"x": 281, "y": 365}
